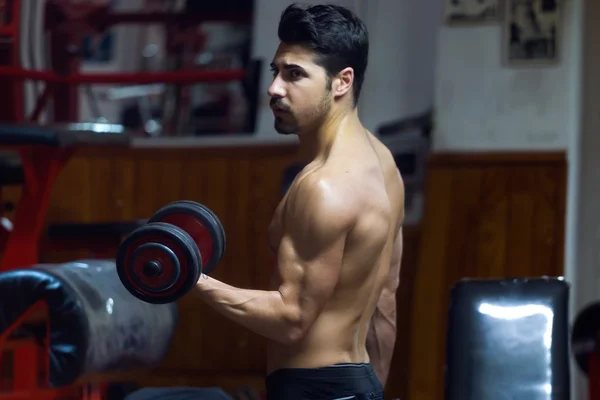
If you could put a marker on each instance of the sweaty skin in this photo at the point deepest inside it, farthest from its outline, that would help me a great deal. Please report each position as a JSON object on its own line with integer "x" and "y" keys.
{"x": 336, "y": 234}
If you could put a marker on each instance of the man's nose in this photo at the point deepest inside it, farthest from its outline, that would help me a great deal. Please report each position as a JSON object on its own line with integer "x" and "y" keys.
{"x": 276, "y": 89}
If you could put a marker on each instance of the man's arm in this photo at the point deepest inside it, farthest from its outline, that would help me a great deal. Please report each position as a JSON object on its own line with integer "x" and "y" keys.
{"x": 309, "y": 260}
{"x": 381, "y": 337}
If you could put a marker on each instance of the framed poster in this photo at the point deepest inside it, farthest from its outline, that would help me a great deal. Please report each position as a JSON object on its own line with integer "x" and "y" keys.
{"x": 472, "y": 11}
{"x": 531, "y": 32}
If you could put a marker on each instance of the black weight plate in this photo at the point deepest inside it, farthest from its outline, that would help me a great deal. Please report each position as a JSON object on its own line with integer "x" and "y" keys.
{"x": 179, "y": 242}
{"x": 209, "y": 221}
{"x": 585, "y": 335}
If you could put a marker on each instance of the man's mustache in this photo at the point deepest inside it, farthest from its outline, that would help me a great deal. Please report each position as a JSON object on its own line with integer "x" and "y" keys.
{"x": 278, "y": 104}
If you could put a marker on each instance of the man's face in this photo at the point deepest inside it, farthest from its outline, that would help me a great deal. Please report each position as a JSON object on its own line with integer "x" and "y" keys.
{"x": 300, "y": 92}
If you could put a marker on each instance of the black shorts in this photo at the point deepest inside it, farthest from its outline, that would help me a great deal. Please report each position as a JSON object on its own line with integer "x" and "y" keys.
{"x": 179, "y": 393}
{"x": 335, "y": 382}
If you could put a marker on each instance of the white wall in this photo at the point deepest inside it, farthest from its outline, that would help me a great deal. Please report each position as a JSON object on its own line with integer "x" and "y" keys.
{"x": 481, "y": 104}
{"x": 400, "y": 78}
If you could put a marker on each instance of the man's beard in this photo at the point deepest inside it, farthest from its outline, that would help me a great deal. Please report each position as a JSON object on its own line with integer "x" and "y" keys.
{"x": 284, "y": 128}
{"x": 280, "y": 125}
{"x": 293, "y": 127}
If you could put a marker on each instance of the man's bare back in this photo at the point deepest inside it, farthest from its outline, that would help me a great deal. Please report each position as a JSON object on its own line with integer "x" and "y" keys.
{"x": 359, "y": 177}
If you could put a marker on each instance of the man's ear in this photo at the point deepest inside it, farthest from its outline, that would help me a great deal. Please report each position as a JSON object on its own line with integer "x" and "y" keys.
{"x": 343, "y": 82}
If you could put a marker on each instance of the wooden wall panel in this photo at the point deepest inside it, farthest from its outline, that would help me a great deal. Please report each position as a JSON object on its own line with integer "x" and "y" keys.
{"x": 486, "y": 216}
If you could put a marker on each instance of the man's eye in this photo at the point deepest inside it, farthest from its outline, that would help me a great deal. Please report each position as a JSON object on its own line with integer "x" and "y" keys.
{"x": 295, "y": 73}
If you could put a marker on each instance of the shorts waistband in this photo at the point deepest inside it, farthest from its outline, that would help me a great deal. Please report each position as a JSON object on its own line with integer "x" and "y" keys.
{"x": 335, "y": 381}
{"x": 342, "y": 370}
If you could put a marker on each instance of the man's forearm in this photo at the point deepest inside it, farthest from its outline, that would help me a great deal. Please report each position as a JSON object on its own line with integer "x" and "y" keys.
{"x": 263, "y": 312}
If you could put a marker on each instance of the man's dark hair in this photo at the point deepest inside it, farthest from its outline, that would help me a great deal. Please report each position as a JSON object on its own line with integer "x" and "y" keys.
{"x": 336, "y": 35}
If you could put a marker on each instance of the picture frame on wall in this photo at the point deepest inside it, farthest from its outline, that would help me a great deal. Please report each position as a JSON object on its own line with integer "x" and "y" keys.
{"x": 532, "y": 32}
{"x": 472, "y": 11}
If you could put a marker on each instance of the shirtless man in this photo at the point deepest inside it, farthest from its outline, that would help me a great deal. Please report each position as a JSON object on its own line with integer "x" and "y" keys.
{"x": 337, "y": 234}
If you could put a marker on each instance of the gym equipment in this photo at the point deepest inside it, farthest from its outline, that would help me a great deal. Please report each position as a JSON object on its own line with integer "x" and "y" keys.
{"x": 85, "y": 321}
{"x": 585, "y": 337}
{"x": 43, "y": 152}
{"x": 68, "y": 22}
{"x": 508, "y": 339}
{"x": 162, "y": 260}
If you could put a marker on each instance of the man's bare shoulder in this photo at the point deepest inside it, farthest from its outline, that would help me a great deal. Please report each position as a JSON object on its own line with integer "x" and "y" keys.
{"x": 323, "y": 200}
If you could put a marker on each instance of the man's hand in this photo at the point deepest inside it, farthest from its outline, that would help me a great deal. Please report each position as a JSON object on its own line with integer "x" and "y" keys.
{"x": 316, "y": 220}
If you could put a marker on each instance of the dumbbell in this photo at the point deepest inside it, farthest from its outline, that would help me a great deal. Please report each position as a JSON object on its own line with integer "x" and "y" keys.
{"x": 161, "y": 261}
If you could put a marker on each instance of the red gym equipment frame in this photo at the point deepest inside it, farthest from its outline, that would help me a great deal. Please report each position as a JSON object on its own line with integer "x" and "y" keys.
{"x": 42, "y": 164}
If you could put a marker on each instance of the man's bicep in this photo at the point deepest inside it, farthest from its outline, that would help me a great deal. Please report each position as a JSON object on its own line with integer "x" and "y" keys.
{"x": 310, "y": 257}
{"x": 310, "y": 267}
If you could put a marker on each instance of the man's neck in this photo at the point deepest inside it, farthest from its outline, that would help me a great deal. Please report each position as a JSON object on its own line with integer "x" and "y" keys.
{"x": 318, "y": 143}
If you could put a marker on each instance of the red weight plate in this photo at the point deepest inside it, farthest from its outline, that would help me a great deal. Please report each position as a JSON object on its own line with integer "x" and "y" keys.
{"x": 201, "y": 224}
{"x": 196, "y": 229}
